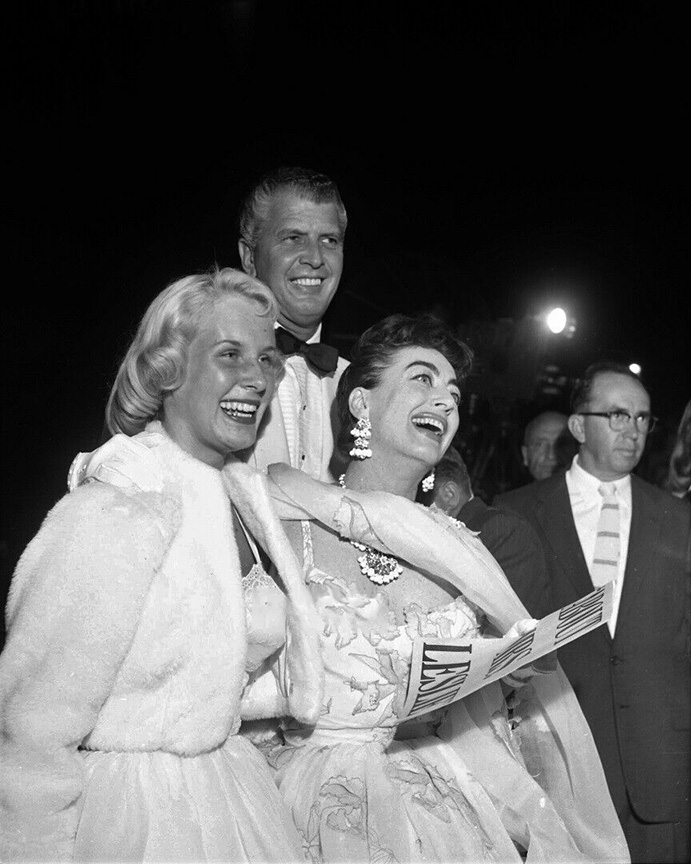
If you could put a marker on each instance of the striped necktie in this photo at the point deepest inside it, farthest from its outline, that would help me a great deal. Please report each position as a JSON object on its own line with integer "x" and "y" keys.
{"x": 606, "y": 558}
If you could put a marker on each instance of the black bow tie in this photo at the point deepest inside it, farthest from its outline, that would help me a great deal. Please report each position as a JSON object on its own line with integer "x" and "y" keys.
{"x": 323, "y": 358}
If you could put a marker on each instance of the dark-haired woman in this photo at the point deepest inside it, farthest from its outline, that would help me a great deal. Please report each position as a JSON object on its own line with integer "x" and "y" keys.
{"x": 383, "y": 572}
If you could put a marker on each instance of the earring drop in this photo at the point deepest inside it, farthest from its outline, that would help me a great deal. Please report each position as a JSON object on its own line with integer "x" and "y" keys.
{"x": 362, "y": 432}
{"x": 428, "y": 482}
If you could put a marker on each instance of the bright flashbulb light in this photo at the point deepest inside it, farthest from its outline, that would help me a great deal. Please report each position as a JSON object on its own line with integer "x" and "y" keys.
{"x": 635, "y": 368}
{"x": 556, "y": 320}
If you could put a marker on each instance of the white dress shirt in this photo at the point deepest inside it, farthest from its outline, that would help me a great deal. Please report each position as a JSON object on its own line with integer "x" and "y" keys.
{"x": 586, "y": 502}
{"x": 299, "y": 425}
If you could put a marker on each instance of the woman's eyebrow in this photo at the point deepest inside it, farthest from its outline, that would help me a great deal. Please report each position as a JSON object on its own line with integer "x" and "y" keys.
{"x": 425, "y": 363}
{"x": 434, "y": 369}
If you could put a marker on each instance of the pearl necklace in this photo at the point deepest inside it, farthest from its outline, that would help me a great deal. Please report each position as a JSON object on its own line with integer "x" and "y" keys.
{"x": 376, "y": 566}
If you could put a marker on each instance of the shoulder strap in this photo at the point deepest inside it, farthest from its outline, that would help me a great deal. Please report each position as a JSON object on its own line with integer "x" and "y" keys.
{"x": 251, "y": 542}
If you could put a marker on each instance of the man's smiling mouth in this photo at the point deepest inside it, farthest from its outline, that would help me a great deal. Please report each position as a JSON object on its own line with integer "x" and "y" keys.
{"x": 308, "y": 281}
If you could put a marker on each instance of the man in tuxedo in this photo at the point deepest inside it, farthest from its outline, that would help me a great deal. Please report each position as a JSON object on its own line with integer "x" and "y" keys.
{"x": 510, "y": 538}
{"x": 598, "y": 522}
{"x": 292, "y": 232}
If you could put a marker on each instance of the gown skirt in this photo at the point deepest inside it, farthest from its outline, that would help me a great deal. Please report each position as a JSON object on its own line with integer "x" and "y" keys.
{"x": 157, "y": 806}
{"x": 220, "y": 805}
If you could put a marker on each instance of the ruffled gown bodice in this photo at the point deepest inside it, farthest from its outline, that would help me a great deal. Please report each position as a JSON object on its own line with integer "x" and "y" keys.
{"x": 366, "y": 657}
{"x": 356, "y": 794}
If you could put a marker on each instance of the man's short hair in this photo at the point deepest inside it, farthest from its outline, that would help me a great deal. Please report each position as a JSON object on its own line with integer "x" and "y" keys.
{"x": 582, "y": 390}
{"x": 305, "y": 182}
{"x": 452, "y": 467}
{"x": 530, "y": 427}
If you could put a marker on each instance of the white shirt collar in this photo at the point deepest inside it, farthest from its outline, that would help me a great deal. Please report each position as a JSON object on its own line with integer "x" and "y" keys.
{"x": 587, "y": 484}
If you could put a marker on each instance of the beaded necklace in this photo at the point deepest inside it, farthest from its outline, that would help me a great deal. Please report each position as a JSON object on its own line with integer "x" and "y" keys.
{"x": 376, "y": 566}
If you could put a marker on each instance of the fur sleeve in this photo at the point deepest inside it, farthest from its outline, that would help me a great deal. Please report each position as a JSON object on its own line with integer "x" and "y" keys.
{"x": 73, "y": 609}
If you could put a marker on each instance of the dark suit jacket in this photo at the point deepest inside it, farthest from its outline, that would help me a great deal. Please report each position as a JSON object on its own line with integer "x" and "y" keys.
{"x": 635, "y": 689}
{"x": 517, "y": 548}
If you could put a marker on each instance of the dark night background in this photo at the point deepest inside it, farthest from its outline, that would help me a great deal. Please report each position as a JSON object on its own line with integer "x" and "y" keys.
{"x": 494, "y": 159}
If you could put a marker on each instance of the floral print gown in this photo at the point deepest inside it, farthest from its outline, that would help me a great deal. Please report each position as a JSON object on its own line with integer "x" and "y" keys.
{"x": 355, "y": 793}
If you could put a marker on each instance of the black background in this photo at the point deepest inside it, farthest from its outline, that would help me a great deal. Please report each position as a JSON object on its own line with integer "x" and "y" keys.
{"x": 494, "y": 159}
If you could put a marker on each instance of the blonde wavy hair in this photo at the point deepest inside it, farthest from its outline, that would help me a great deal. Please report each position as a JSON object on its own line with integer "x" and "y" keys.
{"x": 155, "y": 362}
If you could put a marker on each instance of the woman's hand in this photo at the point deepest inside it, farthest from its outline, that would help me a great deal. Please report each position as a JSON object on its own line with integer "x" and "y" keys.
{"x": 542, "y": 666}
{"x": 521, "y": 627}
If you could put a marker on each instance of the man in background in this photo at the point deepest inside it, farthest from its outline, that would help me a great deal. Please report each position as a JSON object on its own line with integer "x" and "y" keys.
{"x": 541, "y": 444}
{"x": 292, "y": 233}
{"x": 510, "y": 538}
{"x": 598, "y": 522}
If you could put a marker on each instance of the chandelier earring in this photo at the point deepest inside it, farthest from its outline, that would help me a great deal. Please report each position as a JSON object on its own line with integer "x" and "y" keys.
{"x": 362, "y": 432}
{"x": 428, "y": 482}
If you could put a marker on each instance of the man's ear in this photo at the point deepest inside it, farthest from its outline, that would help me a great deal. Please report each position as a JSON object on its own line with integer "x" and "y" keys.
{"x": 524, "y": 454}
{"x": 575, "y": 424}
{"x": 358, "y": 402}
{"x": 247, "y": 258}
{"x": 448, "y": 497}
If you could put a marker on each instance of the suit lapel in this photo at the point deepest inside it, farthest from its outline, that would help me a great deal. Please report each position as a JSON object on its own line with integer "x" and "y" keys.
{"x": 641, "y": 555}
{"x": 556, "y": 518}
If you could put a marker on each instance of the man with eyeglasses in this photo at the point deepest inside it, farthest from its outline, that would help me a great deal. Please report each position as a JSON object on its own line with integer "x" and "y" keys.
{"x": 599, "y": 522}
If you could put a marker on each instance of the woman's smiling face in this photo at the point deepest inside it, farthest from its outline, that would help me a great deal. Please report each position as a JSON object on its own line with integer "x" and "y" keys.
{"x": 414, "y": 407}
{"x": 229, "y": 380}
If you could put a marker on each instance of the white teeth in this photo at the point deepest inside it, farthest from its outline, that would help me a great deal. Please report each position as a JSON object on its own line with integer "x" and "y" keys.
{"x": 239, "y": 407}
{"x": 305, "y": 282}
{"x": 430, "y": 421}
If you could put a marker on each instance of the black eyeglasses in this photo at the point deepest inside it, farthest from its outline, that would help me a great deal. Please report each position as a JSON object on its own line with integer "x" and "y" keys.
{"x": 619, "y": 420}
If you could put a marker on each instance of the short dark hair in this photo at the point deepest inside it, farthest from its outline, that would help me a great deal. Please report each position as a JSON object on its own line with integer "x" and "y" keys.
{"x": 307, "y": 183}
{"x": 374, "y": 352}
{"x": 534, "y": 423}
{"x": 582, "y": 390}
{"x": 452, "y": 467}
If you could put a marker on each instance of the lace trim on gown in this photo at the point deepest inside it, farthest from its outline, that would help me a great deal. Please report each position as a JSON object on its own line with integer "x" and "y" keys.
{"x": 265, "y": 610}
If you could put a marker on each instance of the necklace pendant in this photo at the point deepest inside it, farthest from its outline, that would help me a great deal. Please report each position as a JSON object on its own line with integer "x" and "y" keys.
{"x": 376, "y": 566}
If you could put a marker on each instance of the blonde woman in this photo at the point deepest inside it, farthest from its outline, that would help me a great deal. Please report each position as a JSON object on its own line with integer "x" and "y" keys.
{"x": 145, "y": 605}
